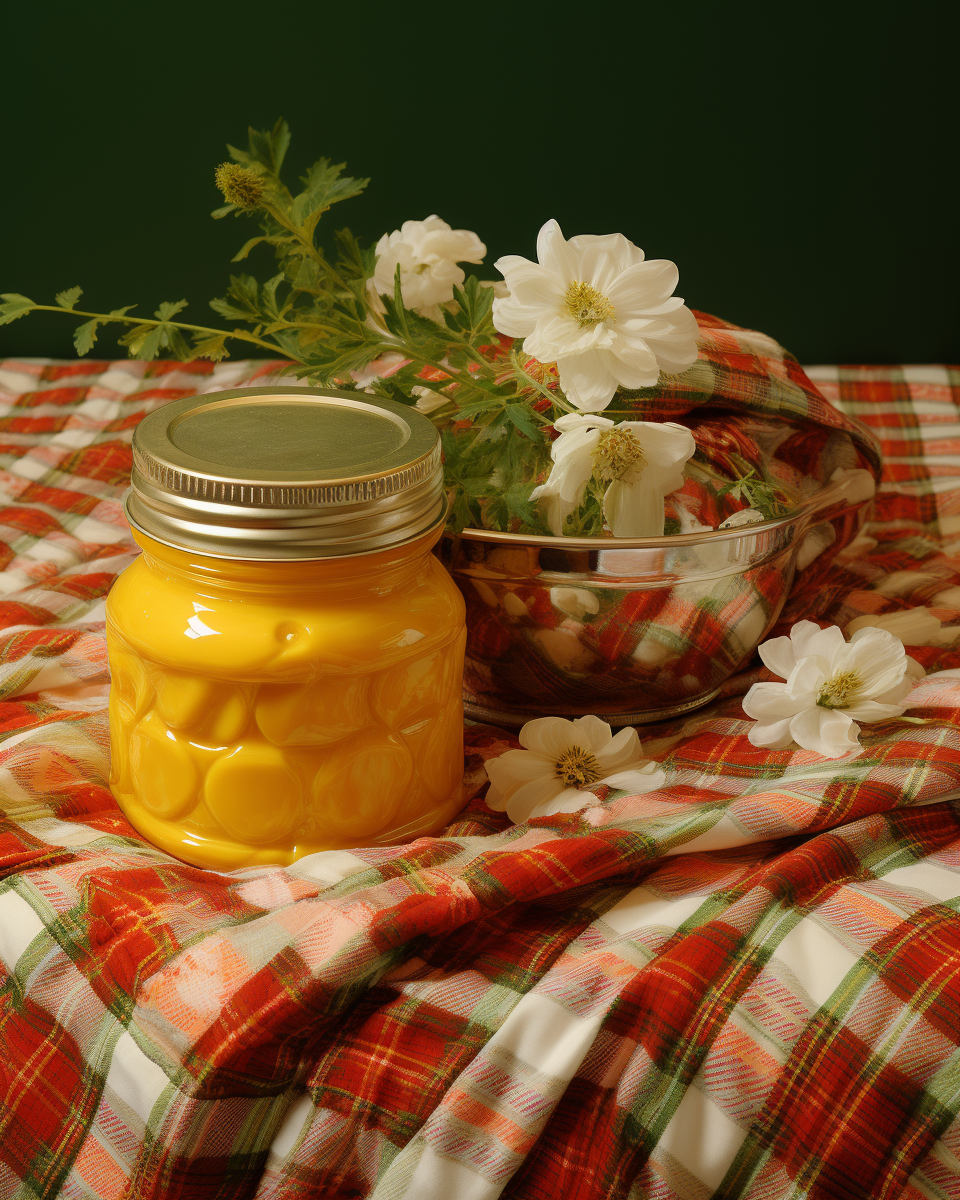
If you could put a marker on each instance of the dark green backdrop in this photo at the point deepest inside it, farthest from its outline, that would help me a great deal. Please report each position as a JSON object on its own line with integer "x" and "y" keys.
{"x": 798, "y": 163}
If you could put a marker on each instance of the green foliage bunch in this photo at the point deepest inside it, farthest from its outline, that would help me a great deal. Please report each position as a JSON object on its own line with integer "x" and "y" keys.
{"x": 317, "y": 311}
{"x": 495, "y": 406}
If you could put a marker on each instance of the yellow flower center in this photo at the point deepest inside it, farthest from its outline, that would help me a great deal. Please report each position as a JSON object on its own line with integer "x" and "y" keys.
{"x": 838, "y": 691}
{"x": 239, "y": 185}
{"x": 578, "y": 767}
{"x": 586, "y": 305}
{"x": 618, "y": 451}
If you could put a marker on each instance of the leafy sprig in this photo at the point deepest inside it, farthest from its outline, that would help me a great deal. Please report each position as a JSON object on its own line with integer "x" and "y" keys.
{"x": 759, "y": 493}
{"x": 317, "y": 310}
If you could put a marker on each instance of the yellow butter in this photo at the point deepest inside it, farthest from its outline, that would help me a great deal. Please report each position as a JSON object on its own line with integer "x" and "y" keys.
{"x": 263, "y": 710}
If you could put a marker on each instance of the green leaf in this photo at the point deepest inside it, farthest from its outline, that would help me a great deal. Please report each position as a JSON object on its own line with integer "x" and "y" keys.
{"x": 279, "y": 143}
{"x": 143, "y": 341}
{"x": 69, "y": 298}
{"x": 354, "y": 261}
{"x": 225, "y": 210}
{"x": 268, "y": 295}
{"x": 475, "y": 303}
{"x": 169, "y": 308}
{"x": 240, "y": 156}
{"x": 84, "y": 336}
{"x": 522, "y": 418}
{"x": 14, "y": 306}
{"x": 247, "y": 247}
{"x": 242, "y": 302}
{"x": 266, "y": 149}
{"x": 307, "y": 277}
{"x": 324, "y": 185}
{"x": 212, "y": 347}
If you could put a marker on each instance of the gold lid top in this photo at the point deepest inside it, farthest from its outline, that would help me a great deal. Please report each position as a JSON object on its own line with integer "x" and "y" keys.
{"x": 285, "y": 473}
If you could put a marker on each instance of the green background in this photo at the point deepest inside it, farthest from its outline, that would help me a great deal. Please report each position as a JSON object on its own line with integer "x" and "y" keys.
{"x": 798, "y": 163}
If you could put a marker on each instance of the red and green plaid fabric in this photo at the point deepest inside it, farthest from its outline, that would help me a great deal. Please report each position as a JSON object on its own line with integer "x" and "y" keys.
{"x": 746, "y": 984}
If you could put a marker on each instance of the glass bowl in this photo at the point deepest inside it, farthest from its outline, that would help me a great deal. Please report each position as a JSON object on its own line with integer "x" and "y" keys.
{"x": 631, "y": 629}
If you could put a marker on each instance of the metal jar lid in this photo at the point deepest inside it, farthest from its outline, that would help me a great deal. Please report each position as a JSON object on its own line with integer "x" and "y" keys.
{"x": 285, "y": 472}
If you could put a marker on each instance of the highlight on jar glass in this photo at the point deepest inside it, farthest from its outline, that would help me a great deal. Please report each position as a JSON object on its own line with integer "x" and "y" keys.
{"x": 286, "y": 654}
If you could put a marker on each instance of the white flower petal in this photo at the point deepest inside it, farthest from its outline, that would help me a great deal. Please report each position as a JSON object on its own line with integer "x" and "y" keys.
{"x": 590, "y": 733}
{"x": 587, "y": 382}
{"x": 603, "y": 257}
{"x": 872, "y": 710}
{"x": 554, "y": 253}
{"x": 526, "y": 798}
{"x": 808, "y": 677}
{"x": 812, "y": 640}
{"x": 770, "y": 702}
{"x": 632, "y": 367}
{"x": 826, "y": 731}
{"x": 533, "y": 286}
{"x": 773, "y": 736}
{"x": 574, "y": 422}
{"x": 634, "y": 509}
{"x": 570, "y": 800}
{"x": 619, "y": 750}
{"x": 495, "y": 799}
{"x": 549, "y": 736}
{"x": 510, "y": 770}
{"x": 652, "y": 281}
{"x": 778, "y": 654}
{"x": 638, "y": 781}
{"x": 513, "y": 319}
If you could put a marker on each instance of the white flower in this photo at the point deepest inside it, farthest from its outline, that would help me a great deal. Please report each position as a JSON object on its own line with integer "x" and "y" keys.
{"x": 427, "y": 253}
{"x": 561, "y": 761}
{"x": 830, "y": 685}
{"x": 596, "y": 309}
{"x": 642, "y": 461}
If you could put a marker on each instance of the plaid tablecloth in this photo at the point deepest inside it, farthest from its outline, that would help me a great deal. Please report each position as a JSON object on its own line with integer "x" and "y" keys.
{"x": 744, "y": 985}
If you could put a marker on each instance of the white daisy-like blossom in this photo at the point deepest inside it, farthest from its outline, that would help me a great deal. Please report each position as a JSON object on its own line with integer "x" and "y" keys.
{"x": 594, "y": 307}
{"x": 831, "y": 684}
{"x": 427, "y": 253}
{"x": 641, "y": 462}
{"x": 561, "y": 761}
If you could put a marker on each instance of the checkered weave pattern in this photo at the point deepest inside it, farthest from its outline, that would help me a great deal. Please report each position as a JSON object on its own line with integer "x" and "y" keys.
{"x": 746, "y": 984}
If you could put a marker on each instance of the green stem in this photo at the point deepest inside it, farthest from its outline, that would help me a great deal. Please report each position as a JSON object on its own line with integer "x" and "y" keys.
{"x": 307, "y": 244}
{"x": 240, "y": 334}
{"x": 544, "y": 391}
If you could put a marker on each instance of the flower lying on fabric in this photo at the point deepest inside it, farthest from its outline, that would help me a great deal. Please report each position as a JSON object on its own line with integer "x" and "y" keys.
{"x": 427, "y": 253}
{"x": 641, "y": 461}
{"x": 831, "y": 684}
{"x": 561, "y": 761}
{"x": 596, "y": 309}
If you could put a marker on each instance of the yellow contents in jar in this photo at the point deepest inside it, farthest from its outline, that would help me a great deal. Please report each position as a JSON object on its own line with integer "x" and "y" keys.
{"x": 263, "y": 710}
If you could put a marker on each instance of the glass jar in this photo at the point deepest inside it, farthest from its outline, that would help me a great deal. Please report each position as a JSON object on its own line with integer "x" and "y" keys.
{"x": 286, "y": 653}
